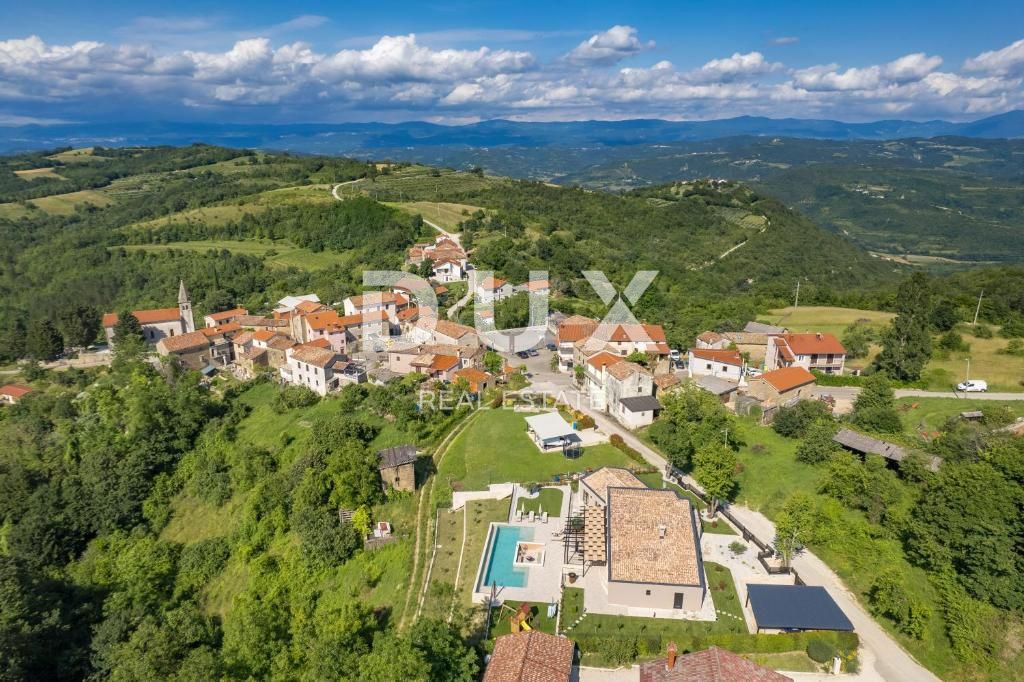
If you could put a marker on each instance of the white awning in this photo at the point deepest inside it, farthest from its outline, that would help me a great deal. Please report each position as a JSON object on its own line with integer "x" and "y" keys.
{"x": 549, "y": 426}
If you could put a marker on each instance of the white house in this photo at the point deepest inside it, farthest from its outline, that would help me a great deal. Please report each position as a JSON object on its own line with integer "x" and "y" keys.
{"x": 387, "y": 302}
{"x": 541, "y": 287}
{"x": 312, "y": 367}
{"x": 621, "y": 388}
{"x": 724, "y": 364}
{"x": 492, "y": 289}
{"x": 450, "y": 270}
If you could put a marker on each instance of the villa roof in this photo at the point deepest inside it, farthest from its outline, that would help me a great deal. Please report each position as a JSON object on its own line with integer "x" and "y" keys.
{"x": 608, "y": 477}
{"x": 492, "y": 283}
{"x": 625, "y": 369}
{"x": 595, "y": 544}
{"x": 651, "y": 538}
{"x": 532, "y": 656}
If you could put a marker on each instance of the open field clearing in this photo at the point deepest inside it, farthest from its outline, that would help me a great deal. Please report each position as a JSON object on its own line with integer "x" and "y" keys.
{"x": 929, "y": 415}
{"x": 277, "y": 254}
{"x": 37, "y": 173}
{"x": 65, "y": 204}
{"x": 824, "y": 318}
{"x": 446, "y": 215}
{"x": 81, "y": 155}
{"x": 1003, "y": 372}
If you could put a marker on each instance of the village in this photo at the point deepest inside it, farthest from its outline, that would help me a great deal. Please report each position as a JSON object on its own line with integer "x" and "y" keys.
{"x": 620, "y": 535}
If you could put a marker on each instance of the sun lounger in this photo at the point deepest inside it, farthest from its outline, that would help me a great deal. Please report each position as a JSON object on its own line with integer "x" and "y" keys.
{"x": 531, "y": 517}
{"x": 544, "y": 517}
{"x": 519, "y": 515}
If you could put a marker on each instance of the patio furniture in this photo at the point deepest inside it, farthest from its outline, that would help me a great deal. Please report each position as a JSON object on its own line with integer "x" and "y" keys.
{"x": 531, "y": 517}
{"x": 544, "y": 517}
{"x": 519, "y": 515}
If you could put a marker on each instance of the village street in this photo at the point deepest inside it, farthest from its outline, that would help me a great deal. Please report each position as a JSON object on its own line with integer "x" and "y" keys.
{"x": 887, "y": 658}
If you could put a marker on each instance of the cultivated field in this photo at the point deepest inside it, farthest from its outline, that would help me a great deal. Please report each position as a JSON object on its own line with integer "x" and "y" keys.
{"x": 278, "y": 254}
{"x": 65, "y": 204}
{"x": 37, "y": 173}
{"x": 446, "y": 215}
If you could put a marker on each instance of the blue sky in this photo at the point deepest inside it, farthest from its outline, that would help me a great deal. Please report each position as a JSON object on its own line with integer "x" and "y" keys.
{"x": 463, "y": 61}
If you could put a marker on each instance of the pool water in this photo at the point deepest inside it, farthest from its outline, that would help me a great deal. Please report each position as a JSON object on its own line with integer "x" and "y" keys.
{"x": 500, "y": 570}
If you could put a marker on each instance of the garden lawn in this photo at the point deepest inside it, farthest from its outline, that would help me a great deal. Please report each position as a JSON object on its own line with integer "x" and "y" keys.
{"x": 494, "y": 448}
{"x": 549, "y": 500}
{"x": 479, "y": 516}
{"x": 500, "y": 624}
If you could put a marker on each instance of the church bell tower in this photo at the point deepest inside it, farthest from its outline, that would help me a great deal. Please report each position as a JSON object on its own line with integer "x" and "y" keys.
{"x": 185, "y": 308}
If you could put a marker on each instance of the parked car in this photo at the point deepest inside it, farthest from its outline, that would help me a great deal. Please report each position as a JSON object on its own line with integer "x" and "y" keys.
{"x": 532, "y": 353}
{"x": 754, "y": 372}
{"x": 552, "y": 347}
{"x": 972, "y": 386}
{"x": 674, "y": 356}
{"x": 522, "y": 355}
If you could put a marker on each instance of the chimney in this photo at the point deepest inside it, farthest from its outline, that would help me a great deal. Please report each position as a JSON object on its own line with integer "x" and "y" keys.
{"x": 662, "y": 529}
{"x": 818, "y": 335}
{"x": 670, "y": 659}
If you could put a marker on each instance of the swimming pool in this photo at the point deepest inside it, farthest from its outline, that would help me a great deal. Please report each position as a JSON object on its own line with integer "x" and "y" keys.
{"x": 498, "y": 568}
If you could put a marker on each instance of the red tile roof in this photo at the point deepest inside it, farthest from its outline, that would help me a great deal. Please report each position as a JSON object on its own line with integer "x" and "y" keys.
{"x": 813, "y": 344}
{"x": 443, "y": 363}
{"x": 221, "y": 329}
{"x": 15, "y": 390}
{"x": 319, "y": 343}
{"x": 311, "y": 355}
{"x": 788, "y": 378}
{"x": 530, "y": 657}
{"x": 377, "y": 298}
{"x": 710, "y": 337}
{"x": 711, "y": 665}
{"x": 264, "y": 335}
{"x": 473, "y": 376}
{"x": 603, "y": 359}
{"x": 146, "y": 316}
{"x": 184, "y": 342}
{"x": 728, "y": 357}
{"x": 575, "y": 328}
{"x": 452, "y": 330}
{"x": 227, "y": 314}
{"x": 492, "y": 283}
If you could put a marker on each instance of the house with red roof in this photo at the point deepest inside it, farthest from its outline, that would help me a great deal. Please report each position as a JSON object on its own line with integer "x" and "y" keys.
{"x": 531, "y": 656}
{"x": 224, "y": 317}
{"x": 710, "y": 665}
{"x": 723, "y": 364}
{"x": 812, "y": 351}
{"x": 782, "y": 386}
{"x": 12, "y": 393}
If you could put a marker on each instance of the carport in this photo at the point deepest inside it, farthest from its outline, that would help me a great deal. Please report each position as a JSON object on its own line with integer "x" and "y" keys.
{"x": 795, "y": 607}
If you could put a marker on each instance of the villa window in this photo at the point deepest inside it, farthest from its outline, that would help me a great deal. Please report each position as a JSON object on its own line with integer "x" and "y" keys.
{"x": 647, "y": 593}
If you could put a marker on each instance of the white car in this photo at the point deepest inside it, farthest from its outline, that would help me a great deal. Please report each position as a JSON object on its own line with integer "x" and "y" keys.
{"x": 674, "y": 355}
{"x": 973, "y": 386}
{"x": 754, "y": 372}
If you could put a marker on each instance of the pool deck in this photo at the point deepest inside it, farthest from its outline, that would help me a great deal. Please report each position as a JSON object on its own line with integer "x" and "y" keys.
{"x": 544, "y": 582}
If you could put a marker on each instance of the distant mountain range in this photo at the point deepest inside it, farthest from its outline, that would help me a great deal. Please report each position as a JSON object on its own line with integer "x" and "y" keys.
{"x": 368, "y": 138}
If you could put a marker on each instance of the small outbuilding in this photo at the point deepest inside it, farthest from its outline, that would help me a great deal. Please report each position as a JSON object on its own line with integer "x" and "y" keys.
{"x": 790, "y": 608}
{"x": 862, "y": 444}
{"x": 12, "y": 393}
{"x": 398, "y": 467}
{"x": 782, "y": 386}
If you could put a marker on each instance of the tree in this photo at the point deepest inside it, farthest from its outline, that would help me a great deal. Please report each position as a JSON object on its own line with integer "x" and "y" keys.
{"x": 127, "y": 327}
{"x": 43, "y": 341}
{"x": 493, "y": 362}
{"x": 715, "y": 471}
{"x": 444, "y": 651}
{"x": 907, "y": 343}
{"x": 361, "y": 521}
{"x": 691, "y": 419}
{"x": 80, "y": 325}
{"x": 818, "y": 445}
{"x": 857, "y": 340}
{"x": 888, "y": 597}
{"x": 875, "y": 406}
{"x": 794, "y": 525}
{"x": 944, "y": 315}
{"x": 794, "y": 422}
{"x": 426, "y": 268}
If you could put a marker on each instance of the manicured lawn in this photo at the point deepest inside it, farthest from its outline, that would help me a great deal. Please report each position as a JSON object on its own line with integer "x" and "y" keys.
{"x": 792, "y": 661}
{"x": 479, "y": 516}
{"x": 496, "y": 449}
{"x": 930, "y": 414}
{"x": 549, "y": 500}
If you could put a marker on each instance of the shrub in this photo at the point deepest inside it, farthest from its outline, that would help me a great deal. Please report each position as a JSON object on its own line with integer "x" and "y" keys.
{"x": 821, "y": 651}
{"x": 983, "y": 331}
{"x": 616, "y": 441}
{"x": 737, "y": 547}
{"x": 292, "y": 397}
{"x": 793, "y": 422}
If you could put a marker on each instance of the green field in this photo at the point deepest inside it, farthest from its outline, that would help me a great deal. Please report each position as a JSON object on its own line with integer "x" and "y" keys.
{"x": 494, "y": 448}
{"x": 827, "y": 319}
{"x": 1002, "y": 372}
{"x": 447, "y": 215}
{"x": 80, "y": 155}
{"x": 549, "y": 500}
{"x": 929, "y": 415}
{"x": 36, "y": 173}
{"x": 57, "y": 204}
{"x": 279, "y": 254}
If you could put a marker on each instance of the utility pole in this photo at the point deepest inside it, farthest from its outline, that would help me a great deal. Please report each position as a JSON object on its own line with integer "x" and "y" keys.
{"x": 796, "y": 302}
{"x": 977, "y": 309}
{"x": 968, "y": 377}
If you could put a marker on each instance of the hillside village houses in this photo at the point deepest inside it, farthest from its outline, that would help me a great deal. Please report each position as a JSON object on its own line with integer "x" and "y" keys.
{"x": 724, "y": 364}
{"x": 492, "y": 289}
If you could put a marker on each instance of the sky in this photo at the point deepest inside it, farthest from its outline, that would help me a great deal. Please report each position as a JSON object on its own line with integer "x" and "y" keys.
{"x": 461, "y": 61}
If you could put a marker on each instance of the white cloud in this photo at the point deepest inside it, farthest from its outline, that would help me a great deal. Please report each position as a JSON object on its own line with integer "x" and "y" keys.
{"x": 735, "y": 67}
{"x": 785, "y": 40}
{"x": 608, "y": 47}
{"x": 1006, "y": 61}
{"x": 911, "y": 67}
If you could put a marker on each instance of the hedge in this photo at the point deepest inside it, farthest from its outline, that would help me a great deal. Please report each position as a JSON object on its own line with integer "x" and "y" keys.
{"x": 740, "y": 643}
{"x": 618, "y": 443}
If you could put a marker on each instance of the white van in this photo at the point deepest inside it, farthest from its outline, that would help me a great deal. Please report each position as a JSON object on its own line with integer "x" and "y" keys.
{"x": 973, "y": 386}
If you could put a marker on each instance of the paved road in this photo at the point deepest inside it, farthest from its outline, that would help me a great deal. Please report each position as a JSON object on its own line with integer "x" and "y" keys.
{"x": 884, "y": 657}
{"x": 850, "y": 393}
